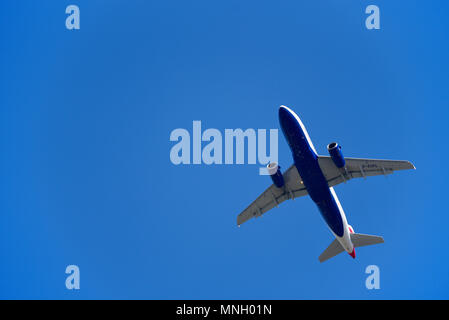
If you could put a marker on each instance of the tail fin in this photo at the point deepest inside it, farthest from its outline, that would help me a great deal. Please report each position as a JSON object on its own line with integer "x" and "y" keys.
{"x": 358, "y": 240}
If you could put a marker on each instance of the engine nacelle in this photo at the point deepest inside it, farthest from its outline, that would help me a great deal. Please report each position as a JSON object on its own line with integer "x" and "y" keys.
{"x": 336, "y": 155}
{"x": 276, "y": 175}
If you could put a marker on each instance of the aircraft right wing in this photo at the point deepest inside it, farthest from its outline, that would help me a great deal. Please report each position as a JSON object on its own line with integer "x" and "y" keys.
{"x": 359, "y": 168}
{"x": 273, "y": 196}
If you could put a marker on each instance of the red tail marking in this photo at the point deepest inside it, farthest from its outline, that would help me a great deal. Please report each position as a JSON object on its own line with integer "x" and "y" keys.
{"x": 352, "y": 254}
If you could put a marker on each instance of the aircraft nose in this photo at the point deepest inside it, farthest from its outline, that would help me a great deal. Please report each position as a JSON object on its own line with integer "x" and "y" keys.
{"x": 286, "y": 117}
{"x": 284, "y": 113}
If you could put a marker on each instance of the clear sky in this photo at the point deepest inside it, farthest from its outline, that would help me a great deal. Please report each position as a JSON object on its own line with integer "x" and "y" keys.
{"x": 85, "y": 171}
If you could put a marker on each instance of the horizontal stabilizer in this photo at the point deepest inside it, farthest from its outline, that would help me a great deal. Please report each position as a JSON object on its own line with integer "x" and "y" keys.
{"x": 331, "y": 251}
{"x": 361, "y": 240}
{"x": 358, "y": 240}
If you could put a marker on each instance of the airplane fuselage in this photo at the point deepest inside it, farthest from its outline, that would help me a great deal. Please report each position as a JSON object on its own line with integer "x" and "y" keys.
{"x": 306, "y": 161}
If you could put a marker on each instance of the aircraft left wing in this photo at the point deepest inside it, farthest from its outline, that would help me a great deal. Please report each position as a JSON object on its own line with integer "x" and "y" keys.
{"x": 273, "y": 196}
{"x": 359, "y": 168}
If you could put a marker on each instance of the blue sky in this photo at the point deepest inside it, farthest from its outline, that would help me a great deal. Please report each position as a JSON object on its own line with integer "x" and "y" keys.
{"x": 86, "y": 177}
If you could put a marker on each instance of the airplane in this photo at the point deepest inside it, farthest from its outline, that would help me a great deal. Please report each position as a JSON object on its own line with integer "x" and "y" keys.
{"x": 315, "y": 175}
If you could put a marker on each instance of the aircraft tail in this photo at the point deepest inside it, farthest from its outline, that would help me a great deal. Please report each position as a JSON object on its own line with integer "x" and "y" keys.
{"x": 358, "y": 240}
{"x": 361, "y": 240}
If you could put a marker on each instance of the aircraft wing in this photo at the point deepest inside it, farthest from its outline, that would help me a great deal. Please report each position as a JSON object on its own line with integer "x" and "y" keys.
{"x": 273, "y": 196}
{"x": 359, "y": 168}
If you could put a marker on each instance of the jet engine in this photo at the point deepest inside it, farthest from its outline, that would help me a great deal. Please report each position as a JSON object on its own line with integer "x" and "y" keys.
{"x": 334, "y": 150}
{"x": 276, "y": 175}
